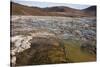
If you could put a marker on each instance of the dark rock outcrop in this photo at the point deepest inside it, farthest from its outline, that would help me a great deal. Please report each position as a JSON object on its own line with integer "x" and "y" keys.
{"x": 88, "y": 47}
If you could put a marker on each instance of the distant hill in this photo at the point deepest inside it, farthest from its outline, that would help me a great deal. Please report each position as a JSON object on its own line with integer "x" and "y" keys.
{"x": 18, "y": 9}
{"x": 91, "y": 10}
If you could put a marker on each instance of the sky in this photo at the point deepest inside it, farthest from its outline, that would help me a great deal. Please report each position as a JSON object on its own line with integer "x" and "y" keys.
{"x": 49, "y": 4}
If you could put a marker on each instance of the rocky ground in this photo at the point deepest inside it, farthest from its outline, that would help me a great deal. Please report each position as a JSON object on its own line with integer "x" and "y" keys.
{"x": 49, "y": 40}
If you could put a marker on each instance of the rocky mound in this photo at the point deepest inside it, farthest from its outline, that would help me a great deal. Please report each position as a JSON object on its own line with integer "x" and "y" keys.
{"x": 36, "y": 48}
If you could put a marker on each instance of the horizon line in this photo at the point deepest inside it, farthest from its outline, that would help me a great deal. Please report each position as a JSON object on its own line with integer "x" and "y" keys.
{"x": 49, "y": 4}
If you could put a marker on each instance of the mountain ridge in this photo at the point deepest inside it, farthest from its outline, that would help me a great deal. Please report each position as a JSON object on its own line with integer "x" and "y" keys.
{"x": 19, "y": 9}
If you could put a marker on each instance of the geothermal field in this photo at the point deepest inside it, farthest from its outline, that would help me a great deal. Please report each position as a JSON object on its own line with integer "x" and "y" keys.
{"x": 52, "y": 39}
